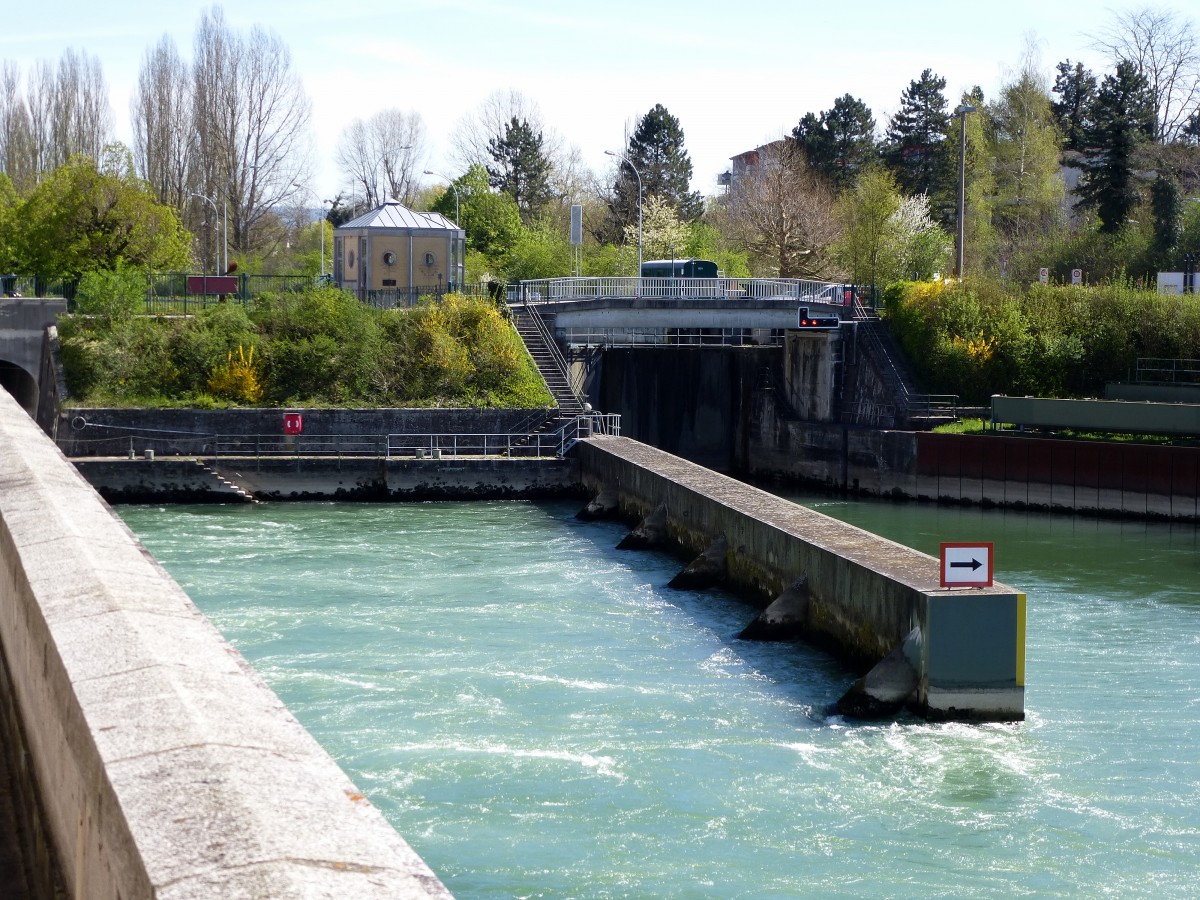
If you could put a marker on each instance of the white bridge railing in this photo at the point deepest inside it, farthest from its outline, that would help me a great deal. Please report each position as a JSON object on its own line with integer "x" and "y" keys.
{"x": 556, "y": 289}
{"x": 539, "y": 444}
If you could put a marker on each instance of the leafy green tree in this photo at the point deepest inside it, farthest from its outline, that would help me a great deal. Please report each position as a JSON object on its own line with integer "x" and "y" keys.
{"x": 1123, "y": 119}
{"x": 916, "y": 132}
{"x": 522, "y": 169}
{"x": 865, "y": 211}
{"x": 8, "y": 224}
{"x": 112, "y": 294}
{"x": 1076, "y": 89}
{"x": 840, "y": 142}
{"x": 1029, "y": 188}
{"x": 538, "y": 252}
{"x": 491, "y": 220}
{"x": 656, "y": 149}
{"x": 663, "y": 233}
{"x": 82, "y": 219}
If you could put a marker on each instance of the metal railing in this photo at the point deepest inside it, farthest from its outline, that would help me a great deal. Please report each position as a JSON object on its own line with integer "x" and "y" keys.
{"x": 672, "y": 337}
{"x": 574, "y": 382}
{"x": 1153, "y": 370}
{"x": 909, "y": 403}
{"x": 556, "y": 289}
{"x": 512, "y": 444}
{"x": 258, "y": 446}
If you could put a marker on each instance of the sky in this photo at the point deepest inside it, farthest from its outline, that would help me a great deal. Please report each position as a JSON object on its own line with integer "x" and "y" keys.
{"x": 736, "y": 75}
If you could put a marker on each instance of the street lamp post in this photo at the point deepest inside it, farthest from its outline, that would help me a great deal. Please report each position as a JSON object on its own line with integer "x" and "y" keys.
{"x": 216, "y": 219}
{"x": 638, "y": 175}
{"x": 320, "y": 221}
{"x": 457, "y": 208}
{"x": 961, "y": 112}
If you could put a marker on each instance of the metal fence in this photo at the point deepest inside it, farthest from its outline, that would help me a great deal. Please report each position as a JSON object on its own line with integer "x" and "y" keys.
{"x": 1152, "y": 370}
{"x": 555, "y": 289}
{"x": 671, "y": 337}
{"x": 161, "y": 443}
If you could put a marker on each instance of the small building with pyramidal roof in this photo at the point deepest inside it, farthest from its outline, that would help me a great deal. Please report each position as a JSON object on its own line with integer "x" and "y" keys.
{"x": 393, "y": 255}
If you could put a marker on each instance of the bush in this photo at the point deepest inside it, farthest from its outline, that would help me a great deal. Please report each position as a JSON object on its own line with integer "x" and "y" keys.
{"x": 319, "y": 347}
{"x": 978, "y": 337}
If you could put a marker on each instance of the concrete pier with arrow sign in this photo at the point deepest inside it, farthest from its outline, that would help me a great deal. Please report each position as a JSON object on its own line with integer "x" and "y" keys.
{"x": 944, "y": 653}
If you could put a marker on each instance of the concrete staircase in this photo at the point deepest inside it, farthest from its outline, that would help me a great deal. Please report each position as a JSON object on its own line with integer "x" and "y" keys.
{"x": 539, "y": 343}
{"x": 907, "y": 407}
{"x": 537, "y": 332}
{"x": 221, "y": 485}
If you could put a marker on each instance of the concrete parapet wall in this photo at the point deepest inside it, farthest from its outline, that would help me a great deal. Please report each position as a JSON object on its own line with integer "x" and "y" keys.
{"x": 165, "y": 767}
{"x": 868, "y": 594}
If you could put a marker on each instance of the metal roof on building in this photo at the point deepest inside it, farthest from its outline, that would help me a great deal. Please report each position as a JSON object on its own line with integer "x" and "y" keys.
{"x": 395, "y": 215}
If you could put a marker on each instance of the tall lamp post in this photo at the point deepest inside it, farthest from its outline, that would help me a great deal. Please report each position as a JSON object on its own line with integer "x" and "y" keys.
{"x": 457, "y": 208}
{"x": 320, "y": 221}
{"x": 961, "y": 112}
{"x": 638, "y": 175}
{"x": 216, "y": 222}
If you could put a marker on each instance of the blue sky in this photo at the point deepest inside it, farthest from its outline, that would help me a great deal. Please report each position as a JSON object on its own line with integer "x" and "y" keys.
{"x": 736, "y": 75}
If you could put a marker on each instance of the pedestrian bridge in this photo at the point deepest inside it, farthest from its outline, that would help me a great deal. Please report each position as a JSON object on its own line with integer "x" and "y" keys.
{"x": 699, "y": 311}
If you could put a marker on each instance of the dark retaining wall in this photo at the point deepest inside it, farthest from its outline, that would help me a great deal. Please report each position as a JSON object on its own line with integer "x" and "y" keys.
{"x": 1025, "y": 472}
{"x": 107, "y": 432}
{"x": 325, "y": 478}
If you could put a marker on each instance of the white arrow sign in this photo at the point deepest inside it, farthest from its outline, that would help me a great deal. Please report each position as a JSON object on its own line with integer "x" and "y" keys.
{"x": 966, "y": 565}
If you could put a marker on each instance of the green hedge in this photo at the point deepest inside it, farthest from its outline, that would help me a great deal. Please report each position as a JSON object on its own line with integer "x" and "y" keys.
{"x": 315, "y": 348}
{"x": 978, "y": 338}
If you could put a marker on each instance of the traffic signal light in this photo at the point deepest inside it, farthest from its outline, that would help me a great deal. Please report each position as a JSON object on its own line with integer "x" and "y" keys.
{"x": 817, "y": 323}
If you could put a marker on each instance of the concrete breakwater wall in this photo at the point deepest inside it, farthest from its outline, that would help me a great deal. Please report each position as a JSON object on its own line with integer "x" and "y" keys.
{"x": 159, "y": 763}
{"x": 328, "y": 478}
{"x": 868, "y": 598}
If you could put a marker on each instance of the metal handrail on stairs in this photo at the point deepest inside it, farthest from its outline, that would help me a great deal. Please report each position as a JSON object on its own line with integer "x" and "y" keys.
{"x": 574, "y": 382}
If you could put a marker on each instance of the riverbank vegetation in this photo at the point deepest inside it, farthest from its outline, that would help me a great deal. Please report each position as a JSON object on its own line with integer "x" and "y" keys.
{"x": 978, "y": 338}
{"x": 320, "y": 347}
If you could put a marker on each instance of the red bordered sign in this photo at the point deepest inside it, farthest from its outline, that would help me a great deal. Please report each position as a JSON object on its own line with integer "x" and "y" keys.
{"x": 966, "y": 565}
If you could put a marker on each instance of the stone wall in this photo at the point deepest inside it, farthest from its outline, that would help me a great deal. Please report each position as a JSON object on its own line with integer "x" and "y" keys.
{"x": 164, "y": 766}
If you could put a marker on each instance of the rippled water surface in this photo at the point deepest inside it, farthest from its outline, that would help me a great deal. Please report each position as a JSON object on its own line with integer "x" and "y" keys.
{"x": 541, "y": 717}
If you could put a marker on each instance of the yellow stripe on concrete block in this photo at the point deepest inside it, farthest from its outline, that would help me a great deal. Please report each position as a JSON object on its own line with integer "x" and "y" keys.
{"x": 1020, "y": 640}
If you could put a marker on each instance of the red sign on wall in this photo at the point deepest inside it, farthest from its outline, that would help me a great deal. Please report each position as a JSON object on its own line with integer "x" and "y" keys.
{"x": 292, "y": 423}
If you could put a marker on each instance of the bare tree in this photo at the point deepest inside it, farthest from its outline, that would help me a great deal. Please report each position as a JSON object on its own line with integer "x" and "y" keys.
{"x": 382, "y": 154}
{"x": 82, "y": 118}
{"x": 16, "y": 140}
{"x": 163, "y": 126}
{"x": 783, "y": 213}
{"x": 1166, "y": 51}
{"x": 469, "y": 144}
{"x": 252, "y": 122}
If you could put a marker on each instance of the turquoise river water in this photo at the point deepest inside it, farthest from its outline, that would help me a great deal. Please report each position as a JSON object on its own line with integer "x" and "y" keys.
{"x": 541, "y": 717}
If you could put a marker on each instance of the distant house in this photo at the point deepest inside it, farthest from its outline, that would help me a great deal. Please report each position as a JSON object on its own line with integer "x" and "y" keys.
{"x": 392, "y": 252}
{"x": 745, "y": 163}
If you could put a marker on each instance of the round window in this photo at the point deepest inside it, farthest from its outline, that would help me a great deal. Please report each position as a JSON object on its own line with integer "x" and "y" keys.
{"x": 350, "y": 259}
{"x": 430, "y": 259}
{"x": 389, "y": 258}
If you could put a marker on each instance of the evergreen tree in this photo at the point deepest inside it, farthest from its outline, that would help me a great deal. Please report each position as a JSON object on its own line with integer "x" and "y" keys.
{"x": 916, "y": 132}
{"x": 1167, "y": 207}
{"x": 840, "y": 142}
{"x": 1123, "y": 118}
{"x": 656, "y": 149}
{"x": 1076, "y": 88}
{"x": 522, "y": 169}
